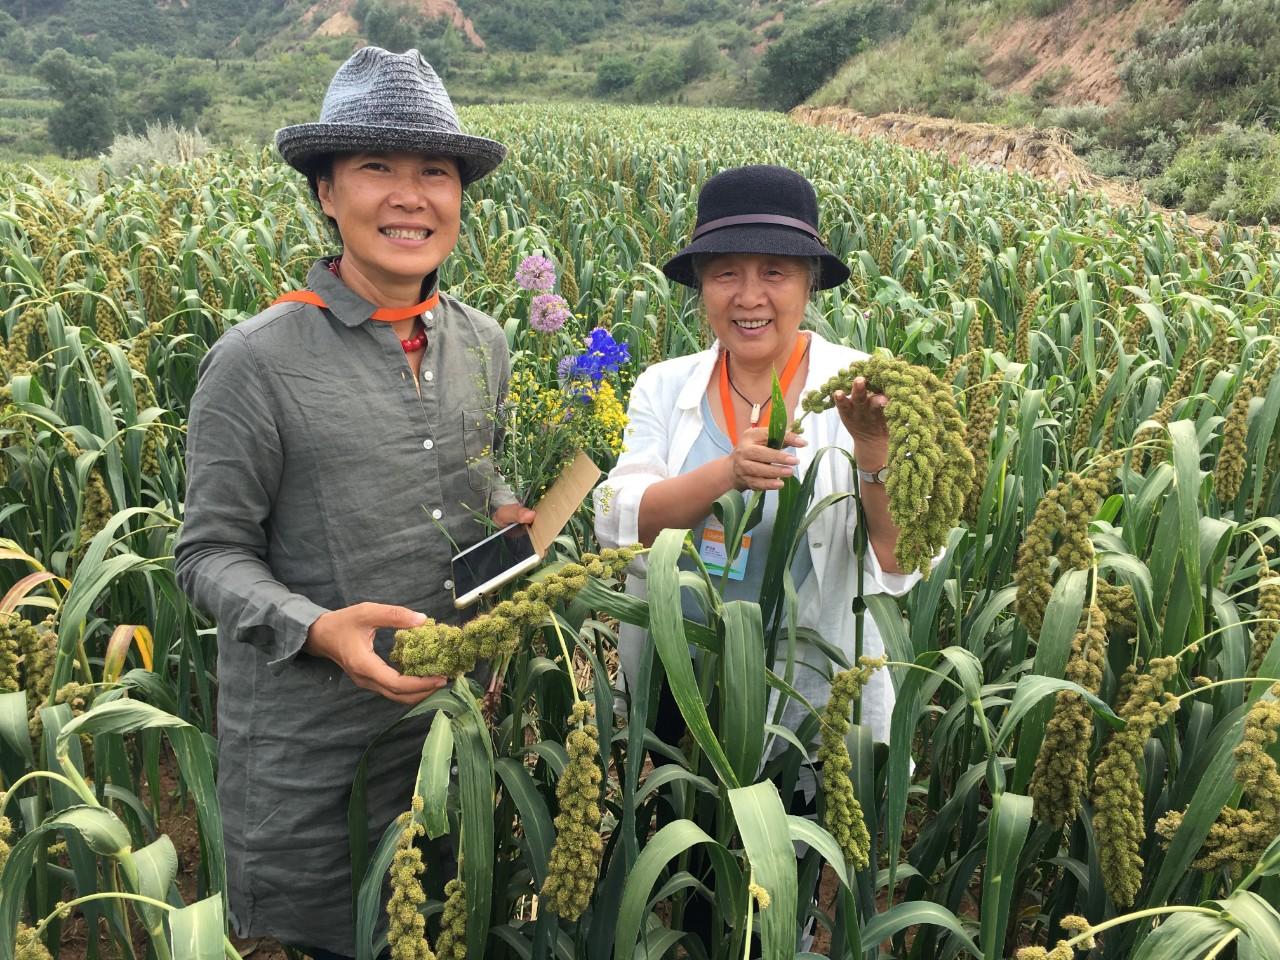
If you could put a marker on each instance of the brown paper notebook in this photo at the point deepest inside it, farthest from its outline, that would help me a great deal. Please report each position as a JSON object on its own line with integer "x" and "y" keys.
{"x": 561, "y": 500}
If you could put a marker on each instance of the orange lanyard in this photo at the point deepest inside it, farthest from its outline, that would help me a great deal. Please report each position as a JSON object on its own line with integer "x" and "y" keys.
{"x": 385, "y": 314}
{"x": 757, "y": 410}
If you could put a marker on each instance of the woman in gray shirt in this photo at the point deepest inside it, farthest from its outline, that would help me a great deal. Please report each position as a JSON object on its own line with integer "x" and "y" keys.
{"x": 339, "y": 451}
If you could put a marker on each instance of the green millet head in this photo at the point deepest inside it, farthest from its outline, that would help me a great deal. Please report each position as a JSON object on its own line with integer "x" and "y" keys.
{"x": 406, "y": 930}
{"x": 1266, "y": 631}
{"x": 842, "y": 813}
{"x": 27, "y": 946}
{"x": 574, "y": 863}
{"x": 436, "y": 649}
{"x": 451, "y": 944}
{"x": 1062, "y": 766}
{"x": 1117, "y": 793}
{"x": 932, "y": 468}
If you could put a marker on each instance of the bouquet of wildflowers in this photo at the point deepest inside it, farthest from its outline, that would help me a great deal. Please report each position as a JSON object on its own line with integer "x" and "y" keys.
{"x": 566, "y": 389}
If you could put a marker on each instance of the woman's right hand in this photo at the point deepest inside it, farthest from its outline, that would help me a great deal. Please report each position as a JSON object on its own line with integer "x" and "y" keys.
{"x": 757, "y": 466}
{"x": 346, "y": 637}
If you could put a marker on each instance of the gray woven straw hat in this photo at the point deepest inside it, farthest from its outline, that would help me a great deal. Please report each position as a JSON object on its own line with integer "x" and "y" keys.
{"x": 380, "y": 100}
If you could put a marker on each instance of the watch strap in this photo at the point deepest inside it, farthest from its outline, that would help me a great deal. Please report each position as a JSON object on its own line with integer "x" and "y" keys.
{"x": 874, "y": 476}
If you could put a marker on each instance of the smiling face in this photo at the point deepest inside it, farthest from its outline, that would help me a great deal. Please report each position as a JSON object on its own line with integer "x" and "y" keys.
{"x": 398, "y": 213}
{"x": 755, "y": 303}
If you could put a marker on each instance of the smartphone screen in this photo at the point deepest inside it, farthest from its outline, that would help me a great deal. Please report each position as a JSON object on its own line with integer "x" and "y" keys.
{"x": 492, "y": 562}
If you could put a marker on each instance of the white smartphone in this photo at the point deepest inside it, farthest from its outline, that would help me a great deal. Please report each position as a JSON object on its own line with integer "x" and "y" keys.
{"x": 495, "y": 560}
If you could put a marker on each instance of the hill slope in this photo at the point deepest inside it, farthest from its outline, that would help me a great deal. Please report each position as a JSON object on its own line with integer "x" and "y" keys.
{"x": 1181, "y": 97}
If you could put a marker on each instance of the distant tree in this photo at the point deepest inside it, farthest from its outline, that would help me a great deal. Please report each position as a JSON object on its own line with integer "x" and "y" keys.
{"x": 699, "y": 56}
{"x": 660, "y": 76}
{"x": 179, "y": 94}
{"x": 84, "y": 124}
{"x": 615, "y": 74}
{"x": 809, "y": 53}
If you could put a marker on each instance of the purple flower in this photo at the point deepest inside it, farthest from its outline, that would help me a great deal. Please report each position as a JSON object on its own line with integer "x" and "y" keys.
{"x": 536, "y": 273}
{"x": 548, "y": 313}
{"x": 565, "y": 368}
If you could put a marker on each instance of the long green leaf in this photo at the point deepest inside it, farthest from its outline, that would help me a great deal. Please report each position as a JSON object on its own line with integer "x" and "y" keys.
{"x": 476, "y": 798}
{"x": 1031, "y": 689}
{"x": 1007, "y": 829}
{"x": 883, "y": 926}
{"x": 666, "y": 626}
{"x": 766, "y": 835}
{"x": 13, "y": 725}
{"x": 663, "y": 847}
{"x": 197, "y": 931}
{"x": 535, "y": 821}
{"x": 742, "y": 670}
{"x": 433, "y": 775}
{"x": 195, "y": 762}
{"x": 1183, "y": 936}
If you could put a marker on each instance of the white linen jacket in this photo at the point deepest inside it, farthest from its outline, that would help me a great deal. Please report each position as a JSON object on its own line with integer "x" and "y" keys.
{"x": 664, "y": 420}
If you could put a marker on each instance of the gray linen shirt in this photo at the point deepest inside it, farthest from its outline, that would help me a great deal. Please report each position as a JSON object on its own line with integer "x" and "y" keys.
{"x": 320, "y": 476}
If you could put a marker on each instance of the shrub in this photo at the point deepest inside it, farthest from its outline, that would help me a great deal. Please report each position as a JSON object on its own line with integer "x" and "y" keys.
{"x": 1235, "y": 169}
{"x": 809, "y": 53}
{"x": 660, "y": 76}
{"x": 161, "y": 144}
{"x": 615, "y": 74}
{"x": 699, "y": 56}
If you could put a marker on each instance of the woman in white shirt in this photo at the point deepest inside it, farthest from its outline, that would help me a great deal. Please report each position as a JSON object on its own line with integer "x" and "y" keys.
{"x": 696, "y": 429}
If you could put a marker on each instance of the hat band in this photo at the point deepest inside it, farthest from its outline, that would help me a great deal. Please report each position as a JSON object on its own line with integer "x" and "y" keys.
{"x": 756, "y": 218}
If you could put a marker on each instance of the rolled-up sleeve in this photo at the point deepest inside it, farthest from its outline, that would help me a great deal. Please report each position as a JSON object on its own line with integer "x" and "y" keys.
{"x": 234, "y": 462}
{"x": 643, "y": 462}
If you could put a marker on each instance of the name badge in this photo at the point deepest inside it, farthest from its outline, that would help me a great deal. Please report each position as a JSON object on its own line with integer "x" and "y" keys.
{"x": 715, "y": 556}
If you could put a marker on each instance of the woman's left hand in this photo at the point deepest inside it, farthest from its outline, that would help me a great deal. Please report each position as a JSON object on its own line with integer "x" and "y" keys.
{"x": 862, "y": 412}
{"x": 510, "y": 513}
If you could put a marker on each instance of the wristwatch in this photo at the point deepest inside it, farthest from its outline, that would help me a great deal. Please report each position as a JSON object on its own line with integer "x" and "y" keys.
{"x": 874, "y": 476}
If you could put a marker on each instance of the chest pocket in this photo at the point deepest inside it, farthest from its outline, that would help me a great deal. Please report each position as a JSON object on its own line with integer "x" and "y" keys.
{"x": 477, "y": 444}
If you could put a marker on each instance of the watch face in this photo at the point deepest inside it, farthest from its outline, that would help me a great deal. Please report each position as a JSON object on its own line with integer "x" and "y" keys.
{"x": 882, "y": 475}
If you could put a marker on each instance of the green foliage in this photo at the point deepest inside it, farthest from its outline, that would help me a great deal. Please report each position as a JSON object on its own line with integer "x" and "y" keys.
{"x": 811, "y": 50}
{"x": 615, "y": 74}
{"x": 928, "y": 71}
{"x": 530, "y": 24}
{"x": 85, "y": 122}
{"x": 399, "y": 26}
{"x": 660, "y": 76}
{"x": 699, "y": 56}
{"x": 1234, "y": 170}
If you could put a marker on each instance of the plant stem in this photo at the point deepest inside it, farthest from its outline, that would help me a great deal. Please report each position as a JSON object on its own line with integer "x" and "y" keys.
{"x": 568, "y": 660}
{"x": 1139, "y": 915}
{"x": 1223, "y": 683}
{"x": 100, "y": 895}
{"x": 1222, "y": 944}
{"x": 48, "y": 774}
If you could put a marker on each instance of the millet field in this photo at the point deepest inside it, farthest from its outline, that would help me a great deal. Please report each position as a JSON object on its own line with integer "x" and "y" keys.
{"x": 1083, "y": 759}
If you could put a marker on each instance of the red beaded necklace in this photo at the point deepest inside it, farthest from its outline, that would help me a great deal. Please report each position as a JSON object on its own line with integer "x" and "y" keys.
{"x": 393, "y": 314}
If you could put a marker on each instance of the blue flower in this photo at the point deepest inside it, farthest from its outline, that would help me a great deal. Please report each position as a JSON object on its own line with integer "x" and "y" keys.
{"x": 603, "y": 355}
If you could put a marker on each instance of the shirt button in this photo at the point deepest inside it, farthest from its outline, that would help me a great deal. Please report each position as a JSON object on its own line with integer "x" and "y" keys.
{"x": 428, "y": 315}
{"x": 436, "y": 514}
{"x": 448, "y": 584}
{"x": 428, "y": 444}
{"x": 428, "y": 376}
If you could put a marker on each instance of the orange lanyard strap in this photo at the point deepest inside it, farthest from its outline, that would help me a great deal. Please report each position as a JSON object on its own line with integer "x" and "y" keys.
{"x": 758, "y": 410}
{"x": 385, "y": 314}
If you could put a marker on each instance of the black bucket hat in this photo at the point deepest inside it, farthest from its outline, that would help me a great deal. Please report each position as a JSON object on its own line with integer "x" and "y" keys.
{"x": 757, "y": 209}
{"x": 380, "y": 100}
